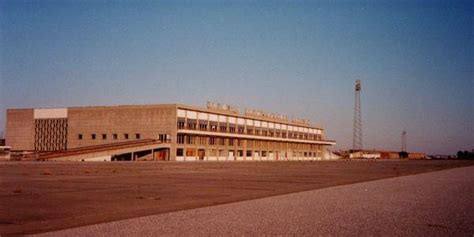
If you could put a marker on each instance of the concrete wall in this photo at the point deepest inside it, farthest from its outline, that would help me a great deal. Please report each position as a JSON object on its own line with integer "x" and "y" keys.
{"x": 20, "y": 129}
{"x": 147, "y": 120}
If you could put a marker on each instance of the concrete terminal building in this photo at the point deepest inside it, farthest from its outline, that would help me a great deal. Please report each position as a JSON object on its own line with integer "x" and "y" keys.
{"x": 185, "y": 133}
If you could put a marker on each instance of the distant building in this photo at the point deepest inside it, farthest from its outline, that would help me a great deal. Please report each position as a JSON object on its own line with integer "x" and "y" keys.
{"x": 187, "y": 133}
{"x": 380, "y": 154}
{"x": 5, "y": 152}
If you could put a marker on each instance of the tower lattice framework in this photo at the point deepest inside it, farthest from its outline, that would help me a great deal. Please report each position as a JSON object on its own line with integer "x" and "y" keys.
{"x": 357, "y": 136}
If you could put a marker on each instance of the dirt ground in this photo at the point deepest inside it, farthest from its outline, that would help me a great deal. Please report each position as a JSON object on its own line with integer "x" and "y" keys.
{"x": 43, "y": 196}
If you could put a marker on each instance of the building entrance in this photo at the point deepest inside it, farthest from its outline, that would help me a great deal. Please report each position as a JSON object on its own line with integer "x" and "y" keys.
{"x": 201, "y": 154}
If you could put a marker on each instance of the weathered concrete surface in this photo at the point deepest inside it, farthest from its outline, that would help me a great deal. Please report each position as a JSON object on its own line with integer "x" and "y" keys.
{"x": 437, "y": 203}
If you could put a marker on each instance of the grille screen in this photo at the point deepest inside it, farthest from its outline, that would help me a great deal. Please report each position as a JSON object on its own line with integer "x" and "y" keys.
{"x": 51, "y": 134}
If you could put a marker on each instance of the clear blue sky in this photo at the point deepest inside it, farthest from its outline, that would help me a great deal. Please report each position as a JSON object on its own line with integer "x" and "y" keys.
{"x": 415, "y": 60}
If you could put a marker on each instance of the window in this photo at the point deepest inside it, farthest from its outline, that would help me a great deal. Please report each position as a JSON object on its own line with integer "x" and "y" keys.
{"x": 213, "y": 127}
{"x": 202, "y": 140}
{"x": 271, "y": 134}
{"x": 125, "y": 136}
{"x": 190, "y": 152}
{"x": 115, "y": 136}
{"x": 104, "y": 136}
{"x": 93, "y": 136}
{"x": 232, "y": 129}
{"x": 223, "y": 128}
{"x": 164, "y": 137}
{"x": 221, "y": 141}
{"x": 212, "y": 141}
{"x": 249, "y": 153}
{"x": 191, "y": 125}
{"x": 137, "y": 135}
{"x": 180, "y": 124}
{"x": 264, "y": 133}
{"x": 189, "y": 139}
{"x": 179, "y": 152}
{"x": 241, "y": 130}
{"x": 231, "y": 141}
{"x": 79, "y": 136}
{"x": 283, "y": 135}
{"x": 239, "y": 142}
{"x": 249, "y": 131}
{"x": 264, "y": 153}
{"x": 240, "y": 153}
{"x": 203, "y": 127}
{"x": 180, "y": 139}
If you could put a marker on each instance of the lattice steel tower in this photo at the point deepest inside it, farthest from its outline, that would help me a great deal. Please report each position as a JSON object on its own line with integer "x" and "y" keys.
{"x": 357, "y": 137}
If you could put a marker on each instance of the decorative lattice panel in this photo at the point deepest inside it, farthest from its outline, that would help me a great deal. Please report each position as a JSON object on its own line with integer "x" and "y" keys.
{"x": 51, "y": 134}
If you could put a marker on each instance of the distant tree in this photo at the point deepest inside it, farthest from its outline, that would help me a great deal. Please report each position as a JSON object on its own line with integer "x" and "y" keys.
{"x": 465, "y": 155}
{"x": 403, "y": 154}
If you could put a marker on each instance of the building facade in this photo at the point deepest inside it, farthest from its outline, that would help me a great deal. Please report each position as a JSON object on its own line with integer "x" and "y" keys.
{"x": 192, "y": 133}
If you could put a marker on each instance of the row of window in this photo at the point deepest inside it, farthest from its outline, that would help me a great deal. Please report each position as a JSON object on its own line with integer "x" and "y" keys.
{"x": 239, "y": 153}
{"x": 219, "y": 118}
{"x": 221, "y": 141}
{"x": 115, "y": 136}
{"x": 250, "y": 131}
{"x": 200, "y": 140}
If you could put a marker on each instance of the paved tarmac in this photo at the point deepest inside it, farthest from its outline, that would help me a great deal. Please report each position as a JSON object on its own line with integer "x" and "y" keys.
{"x": 430, "y": 204}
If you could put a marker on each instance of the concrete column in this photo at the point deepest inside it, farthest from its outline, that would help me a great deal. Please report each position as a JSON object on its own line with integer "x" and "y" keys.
{"x": 244, "y": 150}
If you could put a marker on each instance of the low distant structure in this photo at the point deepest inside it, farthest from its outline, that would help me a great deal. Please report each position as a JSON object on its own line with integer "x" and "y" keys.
{"x": 381, "y": 154}
{"x": 5, "y": 152}
{"x": 441, "y": 157}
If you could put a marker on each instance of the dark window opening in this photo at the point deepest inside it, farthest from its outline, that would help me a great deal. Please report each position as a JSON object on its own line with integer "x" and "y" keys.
{"x": 180, "y": 139}
{"x": 190, "y": 139}
{"x": 191, "y": 126}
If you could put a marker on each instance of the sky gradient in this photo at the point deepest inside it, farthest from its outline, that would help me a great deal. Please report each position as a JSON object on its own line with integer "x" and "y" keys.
{"x": 414, "y": 58}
